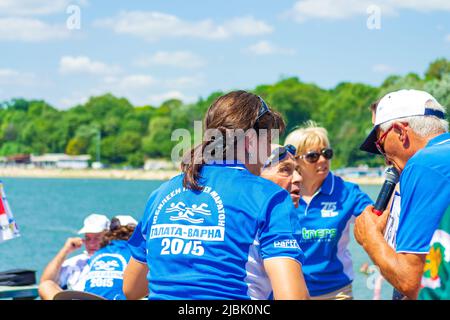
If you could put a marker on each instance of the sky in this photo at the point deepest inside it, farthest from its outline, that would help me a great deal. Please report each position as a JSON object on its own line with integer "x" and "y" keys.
{"x": 65, "y": 51}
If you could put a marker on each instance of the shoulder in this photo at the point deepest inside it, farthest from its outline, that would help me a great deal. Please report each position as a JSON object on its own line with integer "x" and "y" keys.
{"x": 261, "y": 187}
{"x": 340, "y": 185}
{"x": 78, "y": 260}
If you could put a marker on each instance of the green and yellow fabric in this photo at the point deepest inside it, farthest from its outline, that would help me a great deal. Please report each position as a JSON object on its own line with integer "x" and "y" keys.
{"x": 436, "y": 276}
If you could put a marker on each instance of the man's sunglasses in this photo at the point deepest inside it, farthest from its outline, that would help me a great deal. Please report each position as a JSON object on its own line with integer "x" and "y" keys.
{"x": 278, "y": 154}
{"x": 313, "y": 156}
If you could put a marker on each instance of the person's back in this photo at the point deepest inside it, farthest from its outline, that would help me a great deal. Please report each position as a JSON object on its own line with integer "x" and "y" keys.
{"x": 104, "y": 276}
{"x": 106, "y": 266}
{"x": 209, "y": 237}
{"x": 203, "y": 231}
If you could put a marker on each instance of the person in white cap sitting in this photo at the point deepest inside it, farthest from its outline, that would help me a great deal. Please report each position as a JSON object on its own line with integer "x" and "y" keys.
{"x": 62, "y": 273}
{"x": 411, "y": 132}
{"x": 104, "y": 276}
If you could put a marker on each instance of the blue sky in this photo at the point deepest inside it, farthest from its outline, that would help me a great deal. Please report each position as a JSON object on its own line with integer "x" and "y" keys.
{"x": 150, "y": 51}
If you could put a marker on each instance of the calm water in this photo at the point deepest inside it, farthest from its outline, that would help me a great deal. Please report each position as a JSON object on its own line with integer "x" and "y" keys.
{"x": 50, "y": 210}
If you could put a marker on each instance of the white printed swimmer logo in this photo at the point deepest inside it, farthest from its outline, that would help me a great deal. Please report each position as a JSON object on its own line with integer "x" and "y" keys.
{"x": 188, "y": 213}
{"x": 184, "y": 222}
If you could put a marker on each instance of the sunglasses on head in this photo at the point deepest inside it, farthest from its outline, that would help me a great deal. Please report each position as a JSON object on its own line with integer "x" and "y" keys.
{"x": 278, "y": 154}
{"x": 263, "y": 109}
{"x": 313, "y": 156}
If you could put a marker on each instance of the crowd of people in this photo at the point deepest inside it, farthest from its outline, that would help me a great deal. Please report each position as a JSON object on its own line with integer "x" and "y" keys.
{"x": 248, "y": 219}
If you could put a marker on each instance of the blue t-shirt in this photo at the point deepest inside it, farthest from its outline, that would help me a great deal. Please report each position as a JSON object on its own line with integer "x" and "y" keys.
{"x": 106, "y": 267}
{"x": 211, "y": 244}
{"x": 425, "y": 195}
{"x": 323, "y": 233}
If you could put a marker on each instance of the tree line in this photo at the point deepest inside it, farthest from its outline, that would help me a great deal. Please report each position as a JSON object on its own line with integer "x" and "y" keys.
{"x": 130, "y": 134}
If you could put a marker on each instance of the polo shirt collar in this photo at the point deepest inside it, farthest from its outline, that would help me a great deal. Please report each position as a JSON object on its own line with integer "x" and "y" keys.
{"x": 328, "y": 184}
{"x": 233, "y": 164}
{"x": 439, "y": 139}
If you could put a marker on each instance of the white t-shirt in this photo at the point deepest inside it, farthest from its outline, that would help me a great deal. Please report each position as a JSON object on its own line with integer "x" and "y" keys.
{"x": 72, "y": 271}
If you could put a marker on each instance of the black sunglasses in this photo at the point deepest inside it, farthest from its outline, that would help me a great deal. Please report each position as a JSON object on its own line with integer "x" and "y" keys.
{"x": 313, "y": 156}
{"x": 279, "y": 154}
{"x": 263, "y": 109}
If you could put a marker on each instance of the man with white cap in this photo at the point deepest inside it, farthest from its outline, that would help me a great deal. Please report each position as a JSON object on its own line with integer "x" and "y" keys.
{"x": 62, "y": 273}
{"x": 411, "y": 132}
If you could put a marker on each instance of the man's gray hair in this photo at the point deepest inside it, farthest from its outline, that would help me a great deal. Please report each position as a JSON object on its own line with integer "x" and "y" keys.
{"x": 424, "y": 126}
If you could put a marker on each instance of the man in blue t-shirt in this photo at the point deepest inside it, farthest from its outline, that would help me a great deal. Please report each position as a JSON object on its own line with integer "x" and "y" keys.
{"x": 410, "y": 131}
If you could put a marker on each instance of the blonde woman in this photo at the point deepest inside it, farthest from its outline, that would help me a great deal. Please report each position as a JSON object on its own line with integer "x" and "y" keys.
{"x": 327, "y": 207}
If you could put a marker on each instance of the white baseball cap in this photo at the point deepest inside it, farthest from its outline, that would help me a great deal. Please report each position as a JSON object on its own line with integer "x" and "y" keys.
{"x": 95, "y": 223}
{"x": 397, "y": 105}
{"x": 126, "y": 220}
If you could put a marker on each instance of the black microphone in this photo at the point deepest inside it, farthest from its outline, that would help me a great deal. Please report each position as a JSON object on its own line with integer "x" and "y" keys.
{"x": 386, "y": 191}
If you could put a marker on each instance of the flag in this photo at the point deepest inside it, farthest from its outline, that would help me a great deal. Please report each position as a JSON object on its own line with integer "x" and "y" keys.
{"x": 435, "y": 283}
{"x": 8, "y": 226}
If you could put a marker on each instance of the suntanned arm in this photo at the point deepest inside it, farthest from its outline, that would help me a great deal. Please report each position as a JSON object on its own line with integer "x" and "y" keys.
{"x": 135, "y": 284}
{"x": 402, "y": 270}
{"x": 287, "y": 279}
{"x": 51, "y": 271}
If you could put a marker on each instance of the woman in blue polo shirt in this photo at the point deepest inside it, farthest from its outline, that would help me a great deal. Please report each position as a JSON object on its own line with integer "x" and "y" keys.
{"x": 327, "y": 207}
{"x": 200, "y": 233}
{"x": 105, "y": 272}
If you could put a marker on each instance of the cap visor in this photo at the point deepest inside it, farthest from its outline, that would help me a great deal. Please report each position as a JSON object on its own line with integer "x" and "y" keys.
{"x": 89, "y": 230}
{"x": 369, "y": 144}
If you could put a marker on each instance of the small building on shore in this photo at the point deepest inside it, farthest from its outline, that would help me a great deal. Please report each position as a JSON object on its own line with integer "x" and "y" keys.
{"x": 60, "y": 161}
{"x": 158, "y": 164}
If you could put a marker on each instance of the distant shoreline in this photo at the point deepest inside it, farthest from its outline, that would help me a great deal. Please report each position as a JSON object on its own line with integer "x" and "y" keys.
{"x": 135, "y": 174}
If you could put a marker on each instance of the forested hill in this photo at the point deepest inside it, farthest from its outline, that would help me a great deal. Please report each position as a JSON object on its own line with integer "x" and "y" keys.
{"x": 129, "y": 134}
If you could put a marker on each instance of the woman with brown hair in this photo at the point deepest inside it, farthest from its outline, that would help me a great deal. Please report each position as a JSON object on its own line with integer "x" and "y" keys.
{"x": 105, "y": 273}
{"x": 206, "y": 233}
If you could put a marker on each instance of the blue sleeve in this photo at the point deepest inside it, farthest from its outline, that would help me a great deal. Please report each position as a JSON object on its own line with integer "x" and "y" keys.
{"x": 360, "y": 200}
{"x": 138, "y": 245}
{"x": 276, "y": 236}
{"x": 137, "y": 242}
{"x": 425, "y": 195}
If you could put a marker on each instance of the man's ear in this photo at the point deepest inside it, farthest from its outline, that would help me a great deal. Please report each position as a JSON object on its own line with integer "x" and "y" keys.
{"x": 402, "y": 129}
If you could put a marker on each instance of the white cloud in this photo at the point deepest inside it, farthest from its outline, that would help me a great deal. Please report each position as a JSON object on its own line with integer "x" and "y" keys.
{"x": 303, "y": 10}
{"x": 10, "y": 77}
{"x": 83, "y": 64}
{"x": 247, "y": 26}
{"x": 420, "y": 5}
{"x": 134, "y": 82}
{"x": 30, "y": 30}
{"x": 447, "y": 38}
{"x": 178, "y": 59}
{"x": 267, "y": 48}
{"x": 383, "y": 68}
{"x": 32, "y": 7}
{"x": 185, "y": 82}
{"x": 157, "y": 99}
{"x": 153, "y": 26}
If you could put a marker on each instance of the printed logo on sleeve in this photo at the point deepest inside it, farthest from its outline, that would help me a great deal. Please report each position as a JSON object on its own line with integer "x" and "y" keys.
{"x": 288, "y": 243}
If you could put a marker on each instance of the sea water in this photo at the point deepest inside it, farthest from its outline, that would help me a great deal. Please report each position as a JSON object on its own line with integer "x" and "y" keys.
{"x": 48, "y": 211}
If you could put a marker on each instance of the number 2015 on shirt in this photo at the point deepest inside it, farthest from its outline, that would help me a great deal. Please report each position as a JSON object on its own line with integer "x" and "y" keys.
{"x": 179, "y": 246}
